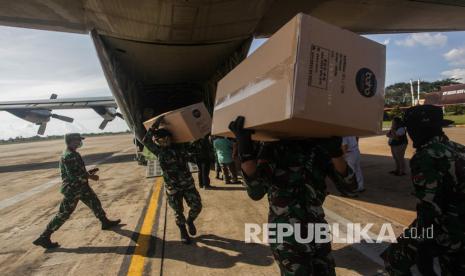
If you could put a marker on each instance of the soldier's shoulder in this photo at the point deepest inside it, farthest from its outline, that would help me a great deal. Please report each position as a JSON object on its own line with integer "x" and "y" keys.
{"x": 69, "y": 155}
{"x": 456, "y": 146}
{"x": 435, "y": 150}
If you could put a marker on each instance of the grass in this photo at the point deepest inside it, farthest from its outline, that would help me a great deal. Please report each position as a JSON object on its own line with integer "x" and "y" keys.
{"x": 458, "y": 120}
{"x": 387, "y": 124}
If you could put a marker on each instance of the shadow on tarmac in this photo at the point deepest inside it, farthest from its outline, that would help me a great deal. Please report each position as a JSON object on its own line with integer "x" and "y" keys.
{"x": 223, "y": 188}
{"x": 382, "y": 187}
{"x": 205, "y": 250}
{"x": 88, "y": 160}
{"x": 347, "y": 257}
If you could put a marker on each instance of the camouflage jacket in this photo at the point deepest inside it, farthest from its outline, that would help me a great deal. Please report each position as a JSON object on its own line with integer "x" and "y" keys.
{"x": 73, "y": 171}
{"x": 203, "y": 150}
{"x": 173, "y": 161}
{"x": 293, "y": 175}
{"x": 438, "y": 176}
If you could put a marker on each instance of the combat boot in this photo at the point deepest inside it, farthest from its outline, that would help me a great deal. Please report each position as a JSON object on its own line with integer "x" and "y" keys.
{"x": 184, "y": 236}
{"x": 191, "y": 227}
{"x": 107, "y": 224}
{"x": 45, "y": 242}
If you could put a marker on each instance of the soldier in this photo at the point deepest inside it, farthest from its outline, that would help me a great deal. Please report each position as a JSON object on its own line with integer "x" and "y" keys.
{"x": 438, "y": 176}
{"x": 292, "y": 173}
{"x": 75, "y": 187}
{"x": 179, "y": 183}
{"x": 202, "y": 157}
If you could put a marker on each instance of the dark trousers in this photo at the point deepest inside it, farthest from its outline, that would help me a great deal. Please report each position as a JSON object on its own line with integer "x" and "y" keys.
{"x": 69, "y": 203}
{"x": 398, "y": 153}
{"x": 192, "y": 198}
{"x": 218, "y": 169}
{"x": 204, "y": 173}
{"x": 229, "y": 169}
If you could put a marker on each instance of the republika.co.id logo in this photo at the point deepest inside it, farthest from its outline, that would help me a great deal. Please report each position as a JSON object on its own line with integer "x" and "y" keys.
{"x": 366, "y": 82}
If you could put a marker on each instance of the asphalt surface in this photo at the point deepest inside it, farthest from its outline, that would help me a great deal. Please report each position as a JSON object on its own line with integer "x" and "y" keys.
{"x": 147, "y": 243}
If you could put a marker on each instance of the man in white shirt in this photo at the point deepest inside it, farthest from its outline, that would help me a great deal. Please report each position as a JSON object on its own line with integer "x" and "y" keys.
{"x": 352, "y": 157}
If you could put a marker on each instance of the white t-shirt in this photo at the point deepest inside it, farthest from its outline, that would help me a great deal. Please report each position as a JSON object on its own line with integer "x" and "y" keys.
{"x": 351, "y": 142}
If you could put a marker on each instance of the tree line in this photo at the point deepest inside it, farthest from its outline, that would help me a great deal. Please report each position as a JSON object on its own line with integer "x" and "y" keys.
{"x": 20, "y": 139}
{"x": 398, "y": 94}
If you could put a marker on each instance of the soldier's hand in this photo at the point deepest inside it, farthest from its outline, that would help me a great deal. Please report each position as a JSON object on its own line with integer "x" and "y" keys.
{"x": 94, "y": 177}
{"x": 158, "y": 122}
{"x": 93, "y": 171}
{"x": 244, "y": 139}
{"x": 333, "y": 146}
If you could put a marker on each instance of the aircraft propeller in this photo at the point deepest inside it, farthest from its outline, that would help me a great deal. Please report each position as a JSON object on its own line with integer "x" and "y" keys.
{"x": 43, "y": 125}
{"x": 62, "y": 118}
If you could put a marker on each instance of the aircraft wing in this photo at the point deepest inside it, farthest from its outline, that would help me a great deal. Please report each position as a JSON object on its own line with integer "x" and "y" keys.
{"x": 51, "y": 104}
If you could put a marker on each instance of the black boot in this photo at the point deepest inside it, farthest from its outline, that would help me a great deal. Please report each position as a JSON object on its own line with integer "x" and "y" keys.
{"x": 191, "y": 227}
{"x": 184, "y": 236}
{"x": 107, "y": 224}
{"x": 45, "y": 242}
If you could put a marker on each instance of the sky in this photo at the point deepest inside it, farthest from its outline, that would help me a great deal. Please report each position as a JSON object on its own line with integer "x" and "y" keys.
{"x": 428, "y": 56}
{"x": 35, "y": 64}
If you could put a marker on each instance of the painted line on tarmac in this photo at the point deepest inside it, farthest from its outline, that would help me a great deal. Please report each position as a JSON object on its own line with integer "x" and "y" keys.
{"x": 136, "y": 267}
{"x": 369, "y": 211}
{"x": 369, "y": 250}
{"x": 5, "y": 203}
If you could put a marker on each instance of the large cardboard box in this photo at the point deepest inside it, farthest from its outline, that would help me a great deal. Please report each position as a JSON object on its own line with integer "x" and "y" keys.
{"x": 186, "y": 124}
{"x": 310, "y": 79}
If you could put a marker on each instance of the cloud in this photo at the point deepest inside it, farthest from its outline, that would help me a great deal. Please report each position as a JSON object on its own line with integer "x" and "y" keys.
{"x": 34, "y": 64}
{"x": 457, "y": 73}
{"x": 423, "y": 39}
{"x": 456, "y": 56}
{"x": 17, "y": 89}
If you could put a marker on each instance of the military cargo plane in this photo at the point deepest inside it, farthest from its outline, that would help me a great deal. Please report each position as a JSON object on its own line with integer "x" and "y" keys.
{"x": 39, "y": 112}
{"x": 159, "y": 55}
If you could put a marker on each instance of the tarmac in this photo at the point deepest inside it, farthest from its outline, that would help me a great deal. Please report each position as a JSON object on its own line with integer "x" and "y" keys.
{"x": 147, "y": 243}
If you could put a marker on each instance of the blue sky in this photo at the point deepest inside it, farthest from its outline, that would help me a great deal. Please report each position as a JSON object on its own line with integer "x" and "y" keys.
{"x": 35, "y": 64}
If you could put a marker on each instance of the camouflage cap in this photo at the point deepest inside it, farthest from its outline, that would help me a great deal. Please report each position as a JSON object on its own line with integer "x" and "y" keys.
{"x": 72, "y": 137}
{"x": 425, "y": 116}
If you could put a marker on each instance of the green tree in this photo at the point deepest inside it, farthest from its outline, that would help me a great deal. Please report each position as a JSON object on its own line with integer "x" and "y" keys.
{"x": 398, "y": 94}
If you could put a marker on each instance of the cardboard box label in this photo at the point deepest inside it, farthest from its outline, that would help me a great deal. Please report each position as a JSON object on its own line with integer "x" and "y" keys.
{"x": 324, "y": 62}
{"x": 319, "y": 67}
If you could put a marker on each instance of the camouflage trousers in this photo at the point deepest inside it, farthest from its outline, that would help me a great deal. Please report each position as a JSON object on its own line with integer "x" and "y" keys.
{"x": 295, "y": 258}
{"x": 193, "y": 200}
{"x": 69, "y": 203}
{"x": 407, "y": 254}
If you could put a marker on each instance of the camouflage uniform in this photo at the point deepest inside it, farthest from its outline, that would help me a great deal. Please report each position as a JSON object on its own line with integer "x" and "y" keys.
{"x": 179, "y": 183}
{"x": 438, "y": 175}
{"x": 202, "y": 157}
{"x": 75, "y": 187}
{"x": 293, "y": 175}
